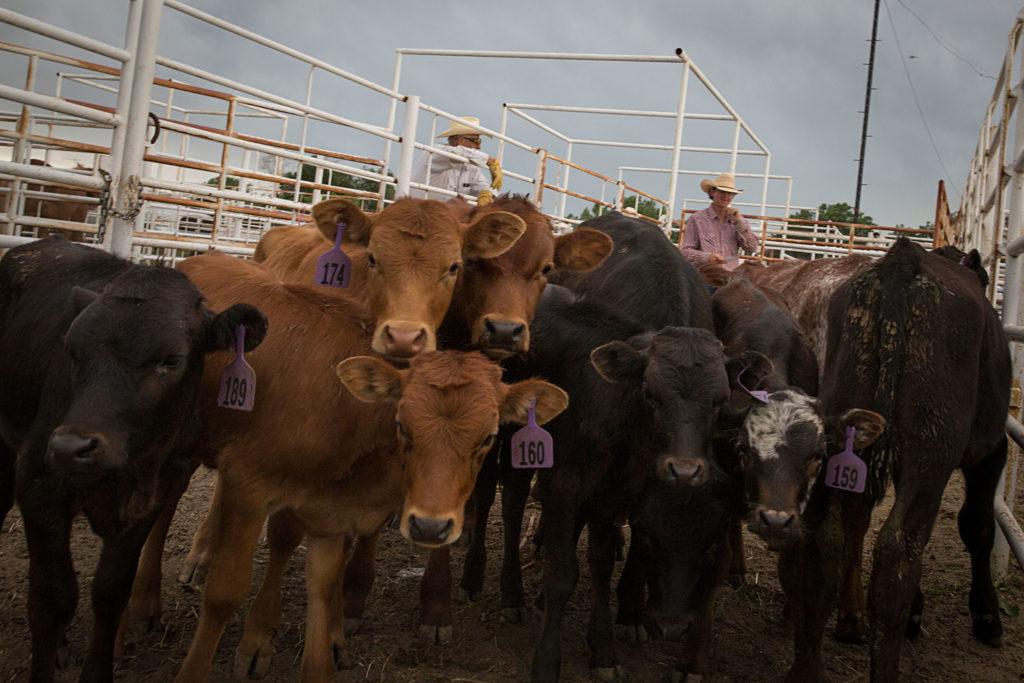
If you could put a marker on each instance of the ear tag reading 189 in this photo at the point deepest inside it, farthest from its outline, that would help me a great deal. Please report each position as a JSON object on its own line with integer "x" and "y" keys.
{"x": 759, "y": 394}
{"x": 238, "y": 381}
{"x": 846, "y": 471}
{"x": 334, "y": 267}
{"x": 532, "y": 446}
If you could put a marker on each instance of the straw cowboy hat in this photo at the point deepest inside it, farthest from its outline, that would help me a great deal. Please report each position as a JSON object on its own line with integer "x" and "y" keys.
{"x": 724, "y": 182}
{"x": 457, "y": 128}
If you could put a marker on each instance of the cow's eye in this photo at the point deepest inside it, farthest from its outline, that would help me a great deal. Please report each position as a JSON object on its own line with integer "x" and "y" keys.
{"x": 547, "y": 269}
{"x": 403, "y": 436}
{"x": 453, "y": 268}
{"x": 170, "y": 363}
{"x": 487, "y": 443}
{"x": 371, "y": 261}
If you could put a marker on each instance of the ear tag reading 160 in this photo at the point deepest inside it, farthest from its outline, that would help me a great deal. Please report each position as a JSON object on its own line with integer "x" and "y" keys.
{"x": 846, "y": 471}
{"x": 532, "y": 446}
{"x": 238, "y": 381}
{"x": 334, "y": 267}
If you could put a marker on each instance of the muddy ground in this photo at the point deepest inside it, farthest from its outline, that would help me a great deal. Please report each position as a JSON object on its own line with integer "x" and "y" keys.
{"x": 751, "y": 643}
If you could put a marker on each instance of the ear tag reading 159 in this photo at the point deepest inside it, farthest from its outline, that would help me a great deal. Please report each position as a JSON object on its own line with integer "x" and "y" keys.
{"x": 846, "y": 471}
{"x": 238, "y": 381}
{"x": 532, "y": 446}
{"x": 334, "y": 267}
{"x": 759, "y": 394}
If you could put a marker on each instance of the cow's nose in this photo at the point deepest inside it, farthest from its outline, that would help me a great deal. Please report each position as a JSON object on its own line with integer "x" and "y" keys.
{"x": 504, "y": 334}
{"x": 683, "y": 471}
{"x": 404, "y": 342}
{"x": 74, "y": 450}
{"x": 430, "y": 530}
{"x": 777, "y": 520}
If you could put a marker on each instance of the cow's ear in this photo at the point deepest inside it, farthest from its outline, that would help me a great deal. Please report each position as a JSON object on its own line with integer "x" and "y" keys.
{"x": 618, "y": 362}
{"x": 869, "y": 426}
{"x": 222, "y": 328}
{"x": 971, "y": 260}
{"x": 358, "y": 224}
{"x": 751, "y": 369}
{"x": 582, "y": 250}
{"x": 491, "y": 235}
{"x": 550, "y": 399}
{"x": 82, "y": 297}
{"x": 371, "y": 379}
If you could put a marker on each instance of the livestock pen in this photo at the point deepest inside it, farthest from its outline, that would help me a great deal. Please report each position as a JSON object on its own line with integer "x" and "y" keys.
{"x": 176, "y": 158}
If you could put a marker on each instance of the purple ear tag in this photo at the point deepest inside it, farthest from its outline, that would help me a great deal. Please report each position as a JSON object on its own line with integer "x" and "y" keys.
{"x": 238, "y": 381}
{"x": 846, "y": 471}
{"x": 334, "y": 267}
{"x": 759, "y": 394}
{"x": 532, "y": 446}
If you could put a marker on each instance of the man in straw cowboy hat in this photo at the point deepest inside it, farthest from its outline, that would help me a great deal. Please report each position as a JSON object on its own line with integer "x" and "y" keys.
{"x": 716, "y": 234}
{"x": 466, "y": 178}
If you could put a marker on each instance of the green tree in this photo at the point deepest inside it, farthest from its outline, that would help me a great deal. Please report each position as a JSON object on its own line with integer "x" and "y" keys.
{"x": 230, "y": 183}
{"x": 335, "y": 178}
{"x": 839, "y": 213}
{"x": 648, "y": 207}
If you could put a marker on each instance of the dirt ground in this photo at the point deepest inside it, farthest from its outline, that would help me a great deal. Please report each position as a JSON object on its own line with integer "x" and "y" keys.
{"x": 751, "y": 643}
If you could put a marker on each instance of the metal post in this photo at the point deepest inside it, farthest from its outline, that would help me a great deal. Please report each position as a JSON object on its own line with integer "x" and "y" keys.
{"x": 124, "y": 94}
{"x": 565, "y": 181}
{"x": 673, "y": 178}
{"x": 412, "y": 112}
{"x": 50, "y": 128}
{"x": 764, "y": 198}
{"x": 297, "y": 190}
{"x": 620, "y": 195}
{"x": 222, "y": 177}
{"x": 390, "y": 125}
{"x": 538, "y": 180}
{"x": 22, "y": 151}
{"x": 867, "y": 108}
{"x": 735, "y": 147}
{"x": 128, "y": 189}
{"x": 504, "y": 131}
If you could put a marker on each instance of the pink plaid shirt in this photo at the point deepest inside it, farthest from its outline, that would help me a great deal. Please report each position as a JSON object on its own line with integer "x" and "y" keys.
{"x": 706, "y": 235}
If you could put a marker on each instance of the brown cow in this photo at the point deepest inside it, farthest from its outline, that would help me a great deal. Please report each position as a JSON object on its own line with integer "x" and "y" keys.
{"x": 333, "y": 464}
{"x": 53, "y": 209}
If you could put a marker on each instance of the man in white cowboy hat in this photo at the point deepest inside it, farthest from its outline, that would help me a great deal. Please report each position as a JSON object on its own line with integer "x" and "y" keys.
{"x": 466, "y": 178}
{"x": 716, "y": 234}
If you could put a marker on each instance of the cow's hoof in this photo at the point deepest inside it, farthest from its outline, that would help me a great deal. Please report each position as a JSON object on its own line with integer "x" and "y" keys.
{"x": 851, "y": 628}
{"x": 678, "y": 676}
{"x": 438, "y": 635}
{"x": 631, "y": 633}
{"x": 513, "y": 615}
{"x": 987, "y": 629}
{"x": 913, "y": 630}
{"x": 610, "y": 673}
{"x": 468, "y": 595}
{"x": 253, "y": 661}
{"x": 341, "y": 658}
{"x": 737, "y": 580}
{"x": 192, "y": 575}
{"x": 352, "y": 626}
{"x": 66, "y": 658}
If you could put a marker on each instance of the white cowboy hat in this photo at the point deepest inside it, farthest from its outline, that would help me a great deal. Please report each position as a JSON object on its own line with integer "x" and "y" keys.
{"x": 458, "y": 128}
{"x": 724, "y": 182}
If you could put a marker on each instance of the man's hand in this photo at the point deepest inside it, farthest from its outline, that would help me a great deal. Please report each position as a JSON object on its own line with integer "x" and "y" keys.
{"x": 496, "y": 175}
{"x": 484, "y": 198}
{"x": 716, "y": 258}
{"x": 732, "y": 214}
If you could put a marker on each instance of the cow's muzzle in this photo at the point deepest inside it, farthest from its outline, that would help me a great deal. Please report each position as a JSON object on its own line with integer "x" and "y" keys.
{"x": 77, "y": 454}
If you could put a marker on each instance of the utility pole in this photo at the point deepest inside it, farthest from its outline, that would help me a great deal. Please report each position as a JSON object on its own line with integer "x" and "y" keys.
{"x": 867, "y": 109}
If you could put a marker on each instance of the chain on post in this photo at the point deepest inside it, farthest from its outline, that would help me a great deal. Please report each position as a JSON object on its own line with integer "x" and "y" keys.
{"x": 107, "y": 209}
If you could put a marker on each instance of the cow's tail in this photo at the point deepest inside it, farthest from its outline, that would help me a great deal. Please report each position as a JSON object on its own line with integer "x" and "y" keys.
{"x": 891, "y": 305}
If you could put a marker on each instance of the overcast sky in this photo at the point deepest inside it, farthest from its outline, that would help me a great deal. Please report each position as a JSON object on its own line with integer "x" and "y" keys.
{"x": 794, "y": 70}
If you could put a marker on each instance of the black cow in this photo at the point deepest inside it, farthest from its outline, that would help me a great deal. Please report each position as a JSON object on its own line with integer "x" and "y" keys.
{"x": 914, "y": 339}
{"x": 100, "y": 363}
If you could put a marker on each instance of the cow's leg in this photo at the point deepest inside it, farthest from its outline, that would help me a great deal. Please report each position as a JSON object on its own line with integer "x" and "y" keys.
{"x": 514, "y": 495}
{"x": 201, "y": 552}
{"x": 914, "y": 621}
{"x": 896, "y": 571}
{"x": 229, "y": 579}
{"x": 601, "y": 558}
{"x": 977, "y": 529}
{"x": 812, "y": 561}
{"x": 52, "y": 586}
{"x": 7, "y": 477}
{"x": 325, "y": 562}
{"x": 738, "y": 555}
{"x": 851, "y": 619}
{"x": 695, "y": 661}
{"x": 472, "y": 581}
{"x": 145, "y": 599}
{"x": 256, "y": 649}
{"x": 436, "y": 597}
{"x": 561, "y": 533}
{"x": 358, "y": 581}
{"x": 629, "y": 620}
{"x": 111, "y": 588}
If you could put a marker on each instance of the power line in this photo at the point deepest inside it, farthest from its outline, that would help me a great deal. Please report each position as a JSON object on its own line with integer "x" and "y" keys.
{"x": 949, "y": 48}
{"x": 913, "y": 91}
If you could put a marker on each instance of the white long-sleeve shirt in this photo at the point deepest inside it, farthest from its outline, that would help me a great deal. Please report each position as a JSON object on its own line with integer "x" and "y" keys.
{"x": 468, "y": 179}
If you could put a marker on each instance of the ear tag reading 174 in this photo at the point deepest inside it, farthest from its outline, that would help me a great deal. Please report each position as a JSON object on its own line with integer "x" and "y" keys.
{"x": 846, "y": 471}
{"x": 758, "y": 394}
{"x": 532, "y": 446}
{"x": 334, "y": 267}
{"x": 238, "y": 381}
